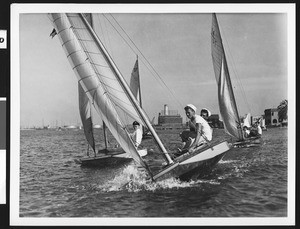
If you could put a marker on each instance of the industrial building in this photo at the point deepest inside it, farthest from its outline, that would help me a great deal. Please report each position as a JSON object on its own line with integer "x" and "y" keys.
{"x": 169, "y": 119}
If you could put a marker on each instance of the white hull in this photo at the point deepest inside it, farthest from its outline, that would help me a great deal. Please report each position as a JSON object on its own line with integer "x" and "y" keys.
{"x": 189, "y": 166}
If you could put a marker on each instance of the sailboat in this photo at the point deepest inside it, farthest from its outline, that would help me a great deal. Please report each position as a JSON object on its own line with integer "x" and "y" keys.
{"x": 135, "y": 86}
{"x": 104, "y": 157}
{"x": 113, "y": 99}
{"x": 227, "y": 102}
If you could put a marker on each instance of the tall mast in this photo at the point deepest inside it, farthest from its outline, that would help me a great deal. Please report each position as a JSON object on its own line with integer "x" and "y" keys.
{"x": 105, "y": 135}
{"x": 127, "y": 90}
{"x": 103, "y": 123}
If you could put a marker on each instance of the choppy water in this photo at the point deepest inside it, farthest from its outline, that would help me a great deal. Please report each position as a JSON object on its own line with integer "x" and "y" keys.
{"x": 247, "y": 182}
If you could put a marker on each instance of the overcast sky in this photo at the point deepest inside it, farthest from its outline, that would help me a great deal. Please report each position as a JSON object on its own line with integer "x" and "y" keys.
{"x": 178, "y": 47}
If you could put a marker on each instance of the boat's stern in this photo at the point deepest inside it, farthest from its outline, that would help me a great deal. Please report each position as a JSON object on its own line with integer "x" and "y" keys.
{"x": 190, "y": 165}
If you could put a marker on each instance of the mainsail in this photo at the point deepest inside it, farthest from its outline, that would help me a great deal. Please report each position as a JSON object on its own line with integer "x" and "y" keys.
{"x": 247, "y": 120}
{"x": 85, "y": 108}
{"x": 227, "y": 104}
{"x": 135, "y": 86}
{"x": 85, "y": 115}
{"x": 101, "y": 80}
{"x": 135, "y": 82}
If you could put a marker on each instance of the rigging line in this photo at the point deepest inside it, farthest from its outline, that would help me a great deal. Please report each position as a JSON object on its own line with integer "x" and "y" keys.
{"x": 134, "y": 52}
{"x": 238, "y": 79}
{"x": 144, "y": 62}
{"x": 89, "y": 58}
{"x": 105, "y": 35}
{"x": 109, "y": 94}
{"x": 101, "y": 28}
{"x": 109, "y": 40}
{"x": 235, "y": 71}
{"x": 142, "y": 56}
{"x": 126, "y": 113}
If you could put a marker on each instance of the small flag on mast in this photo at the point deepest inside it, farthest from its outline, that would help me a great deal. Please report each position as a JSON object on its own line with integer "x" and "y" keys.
{"x": 53, "y": 33}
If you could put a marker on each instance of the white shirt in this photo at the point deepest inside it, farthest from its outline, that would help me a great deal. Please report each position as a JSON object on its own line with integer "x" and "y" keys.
{"x": 206, "y": 129}
{"x": 259, "y": 130}
{"x": 137, "y": 136}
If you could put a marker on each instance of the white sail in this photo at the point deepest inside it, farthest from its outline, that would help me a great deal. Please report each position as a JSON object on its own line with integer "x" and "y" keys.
{"x": 97, "y": 78}
{"x": 135, "y": 82}
{"x": 135, "y": 86}
{"x": 227, "y": 104}
{"x": 247, "y": 120}
{"x": 85, "y": 115}
{"x": 85, "y": 108}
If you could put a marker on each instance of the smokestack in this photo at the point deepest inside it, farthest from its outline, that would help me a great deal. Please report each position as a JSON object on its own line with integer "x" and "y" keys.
{"x": 166, "y": 109}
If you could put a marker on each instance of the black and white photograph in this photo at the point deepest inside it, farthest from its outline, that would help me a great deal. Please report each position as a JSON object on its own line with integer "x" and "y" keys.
{"x": 152, "y": 114}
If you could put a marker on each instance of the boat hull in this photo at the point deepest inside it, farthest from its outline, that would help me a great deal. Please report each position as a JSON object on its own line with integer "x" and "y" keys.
{"x": 106, "y": 158}
{"x": 192, "y": 166}
{"x": 105, "y": 161}
{"x": 251, "y": 142}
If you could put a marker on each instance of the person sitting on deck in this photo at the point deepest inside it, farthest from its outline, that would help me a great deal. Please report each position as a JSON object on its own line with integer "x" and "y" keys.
{"x": 137, "y": 134}
{"x": 246, "y": 131}
{"x": 205, "y": 113}
{"x": 200, "y": 132}
{"x": 136, "y": 137}
{"x": 255, "y": 130}
{"x": 259, "y": 130}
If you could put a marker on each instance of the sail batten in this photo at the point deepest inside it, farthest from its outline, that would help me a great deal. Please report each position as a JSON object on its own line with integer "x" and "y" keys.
{"x": 227, "y": 103}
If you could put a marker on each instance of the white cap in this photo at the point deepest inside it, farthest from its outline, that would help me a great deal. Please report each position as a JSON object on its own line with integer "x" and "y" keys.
{"x": 209, "y": 113}
{"x": 191, "y": 106}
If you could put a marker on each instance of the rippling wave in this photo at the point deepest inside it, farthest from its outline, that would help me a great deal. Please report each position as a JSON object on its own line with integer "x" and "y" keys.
{"x": 247, "y": 182}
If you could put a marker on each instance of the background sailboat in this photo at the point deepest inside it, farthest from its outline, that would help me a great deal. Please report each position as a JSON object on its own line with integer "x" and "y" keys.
{"x": 85, "y": 110}
{"x": 135, "y": 86}
{"x": 86, "y": 118}
{"x": 227, "y": 102}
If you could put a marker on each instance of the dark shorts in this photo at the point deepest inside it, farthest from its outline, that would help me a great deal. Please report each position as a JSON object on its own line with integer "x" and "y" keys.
{"x": 186, "y": 134}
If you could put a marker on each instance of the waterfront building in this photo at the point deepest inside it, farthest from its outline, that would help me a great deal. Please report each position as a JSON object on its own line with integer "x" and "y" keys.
{"x": 271, "y": 117}
{"x": 169, "y": 119}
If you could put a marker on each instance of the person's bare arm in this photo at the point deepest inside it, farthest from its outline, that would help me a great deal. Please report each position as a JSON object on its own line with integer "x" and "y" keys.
{"x": 198, "y": 135}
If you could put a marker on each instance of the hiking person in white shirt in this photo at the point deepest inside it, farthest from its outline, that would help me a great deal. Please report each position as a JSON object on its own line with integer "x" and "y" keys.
{"x": 137, "y": 134}
{"x": 200, "y": 132}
